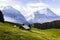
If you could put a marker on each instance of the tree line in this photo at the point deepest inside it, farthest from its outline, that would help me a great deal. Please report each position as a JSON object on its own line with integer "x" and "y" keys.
{"x": 48, "y": 25}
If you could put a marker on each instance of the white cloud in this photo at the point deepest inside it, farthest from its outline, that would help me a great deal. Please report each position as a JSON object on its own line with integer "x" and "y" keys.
{"x": 29, "y": 9}
{"x": 2, "y": 6}
{"x": 3, "y": 3}
{"x": 32, "y": 7}
{"x": 16, "y": 6}
{"x": 56, "y": 11}
{"x": 3, "y": 0}
{"x": 37, "y": 4}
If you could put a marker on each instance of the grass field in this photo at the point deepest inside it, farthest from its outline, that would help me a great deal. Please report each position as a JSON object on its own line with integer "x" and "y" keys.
{"x": 9, "y": 32}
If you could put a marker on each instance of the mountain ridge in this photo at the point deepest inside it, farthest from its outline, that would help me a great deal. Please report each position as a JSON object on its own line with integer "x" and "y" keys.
{"x": 45, "y": 15}
{"x": 40, "y": 16}
{"x": 14, "y": 14}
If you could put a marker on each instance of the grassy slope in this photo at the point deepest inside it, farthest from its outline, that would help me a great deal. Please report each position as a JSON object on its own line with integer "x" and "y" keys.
{"x": 8, "y": 32}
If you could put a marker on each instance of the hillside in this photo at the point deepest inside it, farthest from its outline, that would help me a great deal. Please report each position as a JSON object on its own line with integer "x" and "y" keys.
{"x": 9, "y": 32}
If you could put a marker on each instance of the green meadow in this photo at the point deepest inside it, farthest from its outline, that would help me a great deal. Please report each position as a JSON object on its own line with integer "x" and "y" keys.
{"x": 9, "y": 32}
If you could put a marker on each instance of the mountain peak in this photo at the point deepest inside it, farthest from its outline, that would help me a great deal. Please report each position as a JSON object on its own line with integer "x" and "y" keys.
{"x": 44, "y": 15}
{"x": 47, "y": 12}
{"x": 14, "y": 14}
{"x": 9, "y": 8}
{"x": 40, "y": 16}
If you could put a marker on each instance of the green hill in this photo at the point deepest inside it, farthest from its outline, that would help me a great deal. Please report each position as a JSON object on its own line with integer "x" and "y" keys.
{"x": 9, "y": 32}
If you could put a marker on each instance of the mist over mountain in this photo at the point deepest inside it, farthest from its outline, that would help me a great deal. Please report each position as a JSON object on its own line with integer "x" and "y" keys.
{"x": 14, "y": 15}
{"x": 44, "y": 15}
{"x": 40, "y": 16}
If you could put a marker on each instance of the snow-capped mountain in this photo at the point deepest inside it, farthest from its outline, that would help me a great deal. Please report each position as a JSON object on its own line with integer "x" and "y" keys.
{"x": 40, "y": 16}
{"x": 45, "y": 15}
{"x": 13, "y": 15}
{"x": 47, "y": 12}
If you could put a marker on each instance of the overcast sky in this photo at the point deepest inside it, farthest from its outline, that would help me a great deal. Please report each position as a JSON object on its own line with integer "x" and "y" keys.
{"x": 33, "y": 5}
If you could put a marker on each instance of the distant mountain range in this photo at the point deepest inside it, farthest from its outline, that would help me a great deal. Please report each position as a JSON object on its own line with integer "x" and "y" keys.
{"x": 14, "y": 14}
{"x": 45, "y": 15}
{"x": 40, "y": 16}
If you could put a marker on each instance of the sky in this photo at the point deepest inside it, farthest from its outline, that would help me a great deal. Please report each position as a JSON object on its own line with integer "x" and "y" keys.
{"x": 29, "y": 6}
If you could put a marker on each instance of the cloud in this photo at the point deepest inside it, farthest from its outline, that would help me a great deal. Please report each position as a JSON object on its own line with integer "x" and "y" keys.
{"x": 33, "y": 7}
{"x": 26, "y": 10}
{"x": 37, "y": 6}
{"x": 29, "y": 9}
{"x": 3, "y": 3}
{"x": 56, "y": 11}
{"x": 3, "y": 0}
